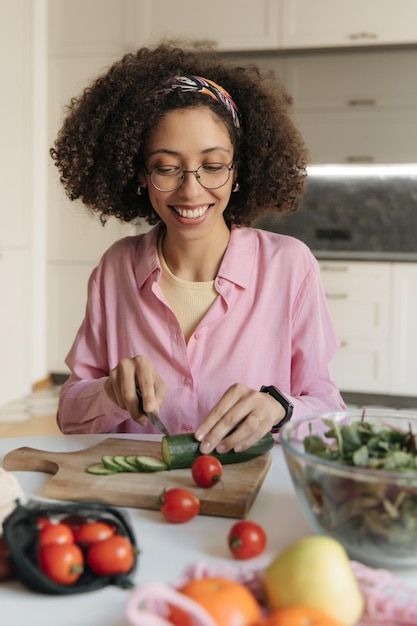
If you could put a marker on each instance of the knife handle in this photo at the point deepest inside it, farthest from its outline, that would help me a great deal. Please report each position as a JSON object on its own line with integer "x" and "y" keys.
{"x": 140, "y": 401}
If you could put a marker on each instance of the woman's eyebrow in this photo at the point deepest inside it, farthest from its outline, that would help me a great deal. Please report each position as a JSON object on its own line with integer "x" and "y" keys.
{"x": 174, "y": 153}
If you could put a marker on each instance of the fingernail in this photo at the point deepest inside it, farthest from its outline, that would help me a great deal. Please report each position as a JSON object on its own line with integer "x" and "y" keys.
{"x": 237, "y": 448}
{"x": 205, "y": 447}
{"x": 221, "y": 448}
{"x": 199, "y": 436}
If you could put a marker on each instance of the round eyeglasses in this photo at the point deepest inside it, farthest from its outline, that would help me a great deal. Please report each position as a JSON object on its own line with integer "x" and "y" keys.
{"x": 171, "y": 177}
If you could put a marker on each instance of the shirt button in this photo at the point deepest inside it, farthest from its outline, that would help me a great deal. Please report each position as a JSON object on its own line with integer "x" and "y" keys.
{"x": 186, "y": 382}
{"x": 188, "y": 427}
{"x": 197, "y": 336}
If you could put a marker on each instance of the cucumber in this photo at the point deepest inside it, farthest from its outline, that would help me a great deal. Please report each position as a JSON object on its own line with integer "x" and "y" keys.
{"x": 101, "y": 470}
{"x": 179, "y": 451}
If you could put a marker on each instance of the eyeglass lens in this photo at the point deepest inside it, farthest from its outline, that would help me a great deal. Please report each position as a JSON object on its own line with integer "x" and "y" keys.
{"x": 210, "y": 176}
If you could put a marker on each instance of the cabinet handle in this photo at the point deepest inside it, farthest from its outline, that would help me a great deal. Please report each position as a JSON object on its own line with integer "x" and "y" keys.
{"x": 363, "y": 35}
{"x": 334, "y": 268}
{"x": 337, "y": 296}
{"x": 369, "y": 102}
{"x": 360, "y": 159}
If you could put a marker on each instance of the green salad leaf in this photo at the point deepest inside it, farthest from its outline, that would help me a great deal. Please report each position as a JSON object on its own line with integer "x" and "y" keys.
{"x": 368, "y": 515}
{"x": 365, "y": 444}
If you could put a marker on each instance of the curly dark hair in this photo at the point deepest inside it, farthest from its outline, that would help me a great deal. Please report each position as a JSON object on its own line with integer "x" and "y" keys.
{"x": 100, "y": 147}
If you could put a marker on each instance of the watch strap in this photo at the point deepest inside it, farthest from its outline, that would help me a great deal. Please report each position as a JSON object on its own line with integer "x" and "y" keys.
{"x": 279, "y": 397}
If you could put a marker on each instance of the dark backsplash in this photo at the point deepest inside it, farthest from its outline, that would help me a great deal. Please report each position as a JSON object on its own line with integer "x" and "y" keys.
{"x": 373, "y": 214}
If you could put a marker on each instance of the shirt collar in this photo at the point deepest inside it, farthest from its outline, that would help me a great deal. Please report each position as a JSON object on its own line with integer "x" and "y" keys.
{"x": 236, "y": 266}
{"x": 239, "y": 259}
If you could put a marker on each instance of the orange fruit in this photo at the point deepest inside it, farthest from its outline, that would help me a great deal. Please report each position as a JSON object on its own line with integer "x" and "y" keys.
{"x": 295, "y": 615}
{"x": 227, "y": 601}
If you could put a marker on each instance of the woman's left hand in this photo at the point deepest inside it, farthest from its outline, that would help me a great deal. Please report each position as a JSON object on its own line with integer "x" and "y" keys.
{"x": 249, "y": 414}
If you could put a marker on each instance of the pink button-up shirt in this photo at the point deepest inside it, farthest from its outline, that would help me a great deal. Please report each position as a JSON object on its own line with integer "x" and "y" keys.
{"x": 270, "y": 325}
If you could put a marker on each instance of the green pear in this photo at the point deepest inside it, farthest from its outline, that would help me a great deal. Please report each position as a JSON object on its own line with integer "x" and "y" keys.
{"x": 315, "y": 571}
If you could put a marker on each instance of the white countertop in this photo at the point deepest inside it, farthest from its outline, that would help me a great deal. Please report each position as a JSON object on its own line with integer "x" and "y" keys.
{"x": 166, "y": 549}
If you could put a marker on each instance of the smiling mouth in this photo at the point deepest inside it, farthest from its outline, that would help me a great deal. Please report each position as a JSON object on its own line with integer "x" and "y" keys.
{"x": 191, "y": 213}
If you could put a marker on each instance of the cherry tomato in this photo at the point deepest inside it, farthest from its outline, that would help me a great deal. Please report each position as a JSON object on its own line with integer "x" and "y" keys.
{"x": 90, "y": 532}
{"x": 246, "y": 540}
{"x": 63, "y": 563}
{"x": 206, "y": 470}
{"x": 6, "y": 566}
{"x": 44, "y": 521}
{"x": 115, "y": 555}
{"x": 179, "y": 505}
{"x": 55, "y": 533}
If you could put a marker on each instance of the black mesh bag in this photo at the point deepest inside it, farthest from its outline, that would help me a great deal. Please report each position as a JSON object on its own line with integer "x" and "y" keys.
{"x": 21, "y": 532}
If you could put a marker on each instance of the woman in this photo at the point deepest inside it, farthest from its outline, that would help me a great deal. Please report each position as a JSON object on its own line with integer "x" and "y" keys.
{"x": 202, "y": 311}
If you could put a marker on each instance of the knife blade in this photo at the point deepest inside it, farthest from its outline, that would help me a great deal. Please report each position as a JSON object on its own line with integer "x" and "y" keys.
{"x": 151, "y": 416}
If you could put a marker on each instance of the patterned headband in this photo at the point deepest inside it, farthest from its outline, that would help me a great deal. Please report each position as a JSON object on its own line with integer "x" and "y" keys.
{"x": 199, "y": 84}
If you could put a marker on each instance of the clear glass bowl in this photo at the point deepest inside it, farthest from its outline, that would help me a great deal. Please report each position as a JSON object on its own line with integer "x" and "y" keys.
{"x": 372, "y": 512}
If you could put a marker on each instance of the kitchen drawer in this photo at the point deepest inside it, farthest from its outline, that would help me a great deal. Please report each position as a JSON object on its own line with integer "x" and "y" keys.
{"x": 362, "y": 366}
{"x": 355, "y": 277}
{"x": 358, "y": 297}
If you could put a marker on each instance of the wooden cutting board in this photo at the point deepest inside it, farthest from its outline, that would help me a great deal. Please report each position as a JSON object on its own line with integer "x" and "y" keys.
{"x": 232, "y": 497}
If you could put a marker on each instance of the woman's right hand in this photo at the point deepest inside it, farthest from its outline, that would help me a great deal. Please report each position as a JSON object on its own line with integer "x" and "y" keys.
{"x": 123, "y": 380}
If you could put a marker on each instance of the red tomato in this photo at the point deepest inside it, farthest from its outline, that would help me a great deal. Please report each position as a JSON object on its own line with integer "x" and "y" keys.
{"x": 44, "y": 521}
{"x": 55, "y": 533}
{"x": 179, "y": 505}
{"x": 90, "y": 532}
{"x": 206, "y": 470}
{"x": 246, "y": 540}
{"x": 115, "y": 555}
{"x": 63, "y": 563}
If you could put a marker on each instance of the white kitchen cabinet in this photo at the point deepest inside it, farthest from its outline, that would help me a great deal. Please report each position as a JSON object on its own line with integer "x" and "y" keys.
{"x": 89, "y": 28}
{"x": 81, "y": 47}
{"x": 347, "y": 116}
{"x": 359, "y": 137}
{"x": 97, "y": 26}
{"x": 67, "y": 298}
{"x": 352, "y": 80}
{"x": 333, "y": 23}
{"x": 404, "y": 329}
{"x": 358, "y": 295}
{"x": 230, "y": 25}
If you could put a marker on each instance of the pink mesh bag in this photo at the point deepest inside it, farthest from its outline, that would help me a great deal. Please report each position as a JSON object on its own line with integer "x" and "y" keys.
{"x": 388, "y": 601}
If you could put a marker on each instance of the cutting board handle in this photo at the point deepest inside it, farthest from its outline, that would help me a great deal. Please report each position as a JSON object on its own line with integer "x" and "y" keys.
{"x": 36, "y": 460}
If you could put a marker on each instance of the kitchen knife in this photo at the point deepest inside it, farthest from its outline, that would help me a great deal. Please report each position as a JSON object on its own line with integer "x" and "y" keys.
{"x": 151, "y": 416}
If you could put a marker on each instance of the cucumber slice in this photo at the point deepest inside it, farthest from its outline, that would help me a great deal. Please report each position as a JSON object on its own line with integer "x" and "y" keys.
{"x": 131, "y": 458}
{"x": 124, "y": 466}
{"x": 150, "y": 464}
{"x": 108, "y": 461}
{"x": 101, "y": 470}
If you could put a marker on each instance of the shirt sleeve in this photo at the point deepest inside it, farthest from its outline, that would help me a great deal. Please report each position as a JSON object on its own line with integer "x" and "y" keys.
{"x": 314, "y": 344}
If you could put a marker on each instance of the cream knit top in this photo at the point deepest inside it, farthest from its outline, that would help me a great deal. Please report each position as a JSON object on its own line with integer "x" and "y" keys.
{"x": 189, "y": 300}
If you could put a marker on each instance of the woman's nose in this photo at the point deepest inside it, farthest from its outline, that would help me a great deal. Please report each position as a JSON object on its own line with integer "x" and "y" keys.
{"x": 191, "y": 182}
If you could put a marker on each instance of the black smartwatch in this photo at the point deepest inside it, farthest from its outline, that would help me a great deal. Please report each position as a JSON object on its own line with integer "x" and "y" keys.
{"x": 275, "y": 393}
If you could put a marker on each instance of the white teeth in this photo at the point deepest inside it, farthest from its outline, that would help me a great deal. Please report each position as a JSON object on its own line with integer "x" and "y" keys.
{"x": 190, "y": 213}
